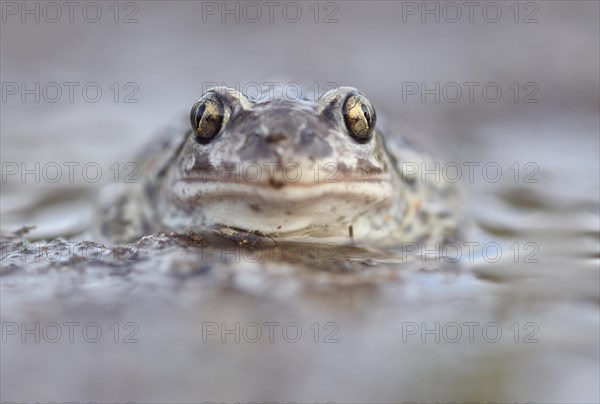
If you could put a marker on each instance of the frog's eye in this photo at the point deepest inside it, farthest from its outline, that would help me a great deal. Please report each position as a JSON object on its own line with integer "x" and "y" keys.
{"x": 207, "y": 117}
{"x": 360, "y": 118}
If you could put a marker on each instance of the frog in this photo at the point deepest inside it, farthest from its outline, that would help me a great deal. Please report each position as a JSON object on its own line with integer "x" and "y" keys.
{"x": 284, "y": 168}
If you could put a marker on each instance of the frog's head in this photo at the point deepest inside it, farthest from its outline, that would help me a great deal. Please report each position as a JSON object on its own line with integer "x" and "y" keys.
{"x": 281, "y": 165}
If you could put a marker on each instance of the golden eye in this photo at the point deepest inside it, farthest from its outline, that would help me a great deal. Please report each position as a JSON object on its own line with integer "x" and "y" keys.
{"x": 360, "y": 118}
{"x": 207, "y": 117}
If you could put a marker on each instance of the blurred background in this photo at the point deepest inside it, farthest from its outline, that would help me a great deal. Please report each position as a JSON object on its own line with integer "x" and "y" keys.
{"x": 512, "y": 83}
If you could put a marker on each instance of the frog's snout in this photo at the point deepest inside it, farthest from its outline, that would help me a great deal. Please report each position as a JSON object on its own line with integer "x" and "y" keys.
{"x": 276, "y": 138}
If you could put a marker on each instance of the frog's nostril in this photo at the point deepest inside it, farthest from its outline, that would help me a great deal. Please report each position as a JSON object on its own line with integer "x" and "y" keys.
{"x": 276, "y": 138}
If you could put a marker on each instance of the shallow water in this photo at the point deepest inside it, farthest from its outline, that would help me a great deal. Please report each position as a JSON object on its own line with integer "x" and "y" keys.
{"x": 523, "y": 326}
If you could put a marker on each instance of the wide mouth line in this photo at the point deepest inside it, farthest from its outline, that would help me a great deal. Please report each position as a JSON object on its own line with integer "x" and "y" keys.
{"x": 374, "y": 190}
{"x": 271, "y": 183}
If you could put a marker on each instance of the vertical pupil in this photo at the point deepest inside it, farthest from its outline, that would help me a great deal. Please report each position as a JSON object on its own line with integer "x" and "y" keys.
{"x": 199, "y": 114}
{"x": 365, "y": 112}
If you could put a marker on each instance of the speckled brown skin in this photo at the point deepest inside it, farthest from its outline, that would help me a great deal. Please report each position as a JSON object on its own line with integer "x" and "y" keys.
{"x": 284, "y": 169}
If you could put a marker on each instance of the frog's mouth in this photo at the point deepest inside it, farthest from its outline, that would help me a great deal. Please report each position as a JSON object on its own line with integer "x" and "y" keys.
{"x": 280, "y": 208}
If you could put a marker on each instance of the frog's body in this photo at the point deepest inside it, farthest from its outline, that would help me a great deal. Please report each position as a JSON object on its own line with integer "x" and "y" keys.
{"x": 284, "y": 169}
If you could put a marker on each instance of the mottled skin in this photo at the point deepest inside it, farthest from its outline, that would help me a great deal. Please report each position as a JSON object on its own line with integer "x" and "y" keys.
{"x": 284, "y": 169}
